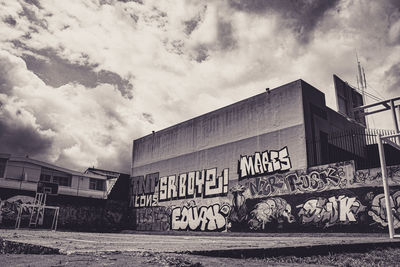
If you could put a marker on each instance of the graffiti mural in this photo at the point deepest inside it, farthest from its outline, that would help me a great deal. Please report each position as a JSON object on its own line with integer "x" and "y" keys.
{"x": 272, "y": 210}
{"x": 333, "y": 196}
{"x": 153, "y": 219}
{"x": 204, "y": 218}
{"x": 266, "y": 162}
{"x": 378, "y": 209}
{"x": 328, "y": 212}
{"x": 297, "y": 182}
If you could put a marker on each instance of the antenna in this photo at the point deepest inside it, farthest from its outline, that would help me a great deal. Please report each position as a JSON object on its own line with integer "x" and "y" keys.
{"x": 358, "y": 84}
{"x": 363, "y": 82}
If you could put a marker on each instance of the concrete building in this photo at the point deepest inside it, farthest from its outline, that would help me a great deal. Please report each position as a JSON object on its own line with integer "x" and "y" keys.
{"x": 252, "y": 165}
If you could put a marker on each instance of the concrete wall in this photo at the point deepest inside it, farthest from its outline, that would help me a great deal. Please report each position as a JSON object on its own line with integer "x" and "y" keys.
{"x": 206, "y": 155}
{"x": 264, "y": 113}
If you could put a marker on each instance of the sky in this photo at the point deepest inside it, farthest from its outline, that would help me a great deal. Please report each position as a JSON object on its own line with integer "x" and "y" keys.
{"x": 81, "y": 79}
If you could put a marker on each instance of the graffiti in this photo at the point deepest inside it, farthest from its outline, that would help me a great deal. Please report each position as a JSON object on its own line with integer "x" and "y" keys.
{"x": 191, "y": 217}
{"x": 153, "y": 219}
{"x": 144, "y": 201}
{"x": 266, "y": 162}
{"x": 266, "y": 186}
{"x": 328, "y": 212}
{"x": 80, "y": 217}
{"x": 113, "y": 213}
{"x": 9, "y": 208}
{"x": 204, "y": 183}
{"x": 374, "y": 176}
{"x": 297, "y": 182}
{"x": 141, "y": 186}
{"x": 315, "y": 180}
{"x": 238, "y": 214}
{"x": 144, "y": 190}
{"x": 275, "y": 210}
{"x": 378, "y": 209}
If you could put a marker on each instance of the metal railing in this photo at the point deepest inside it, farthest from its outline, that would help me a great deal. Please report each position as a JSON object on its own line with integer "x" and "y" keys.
{"x": 360, "y": 145}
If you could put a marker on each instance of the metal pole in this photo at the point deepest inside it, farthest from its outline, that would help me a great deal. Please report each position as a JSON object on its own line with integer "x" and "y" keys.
{"x": 396, "y": 125}
{"x": 389, "y": 214}
{"x": 398, "y": 121}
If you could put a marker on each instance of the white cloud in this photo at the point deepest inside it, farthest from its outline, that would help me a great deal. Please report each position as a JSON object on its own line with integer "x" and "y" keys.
{"x": 155, "y": 46}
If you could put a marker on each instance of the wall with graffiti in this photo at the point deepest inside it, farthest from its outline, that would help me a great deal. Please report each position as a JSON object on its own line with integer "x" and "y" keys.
{"x": 76, "y": 213}
{"x": 264, "y": 194}
{"x": 332, "y": 197}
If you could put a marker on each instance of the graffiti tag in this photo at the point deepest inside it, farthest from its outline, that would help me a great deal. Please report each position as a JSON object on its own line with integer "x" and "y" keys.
{"x": 297, "y": 182}
{"x": 266, "y": 162}
{"x": 191, "y": 217}
{"x": 314, "y": 181}
{"x": 328, "y": 212}
{"x": 153, "y": 219}
{"x": 204, "y": 183}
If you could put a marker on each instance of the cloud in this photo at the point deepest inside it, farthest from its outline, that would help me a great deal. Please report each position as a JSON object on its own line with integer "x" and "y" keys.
{"x": 89, "y": 77}
{"x": 393, "y": 78}
{"x": 71, "y": 125}
{"x": 56, "y": 71}
{"x": 301, "y": 16}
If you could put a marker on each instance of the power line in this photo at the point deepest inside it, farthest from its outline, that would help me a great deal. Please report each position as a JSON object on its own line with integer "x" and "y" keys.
{"x": 373, "y": 97}
{"x": 369, "y": 86}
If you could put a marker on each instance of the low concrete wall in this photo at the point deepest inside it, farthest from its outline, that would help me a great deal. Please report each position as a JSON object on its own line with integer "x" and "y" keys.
{"x": 76, "y": 213}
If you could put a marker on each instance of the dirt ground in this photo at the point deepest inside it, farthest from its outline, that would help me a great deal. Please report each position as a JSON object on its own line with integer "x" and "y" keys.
{"x": 185, "y": 249}
{"x": 181, "y": 242}
{"x": 130, "y": 259}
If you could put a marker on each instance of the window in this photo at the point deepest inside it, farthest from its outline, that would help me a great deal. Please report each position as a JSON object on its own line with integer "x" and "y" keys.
{"x": 96, "y": 184}
{"x": 53, "y": 176}
{"x": 62, "y": 180}
{"x": 45, "y": 177}
{"x": 15, "y": 171}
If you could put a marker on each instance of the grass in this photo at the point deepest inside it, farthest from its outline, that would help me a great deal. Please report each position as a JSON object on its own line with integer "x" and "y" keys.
{"x": 380, "y": 257}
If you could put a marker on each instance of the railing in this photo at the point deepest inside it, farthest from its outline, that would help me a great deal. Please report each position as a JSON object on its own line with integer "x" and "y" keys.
{"x": 359, "y": 145}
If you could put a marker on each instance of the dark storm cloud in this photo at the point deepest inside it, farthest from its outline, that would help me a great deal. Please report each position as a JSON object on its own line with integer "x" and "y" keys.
{"x": 21, "y": 139}
{"x": 57, "y": 71}
{"x": 305, "y": 13}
